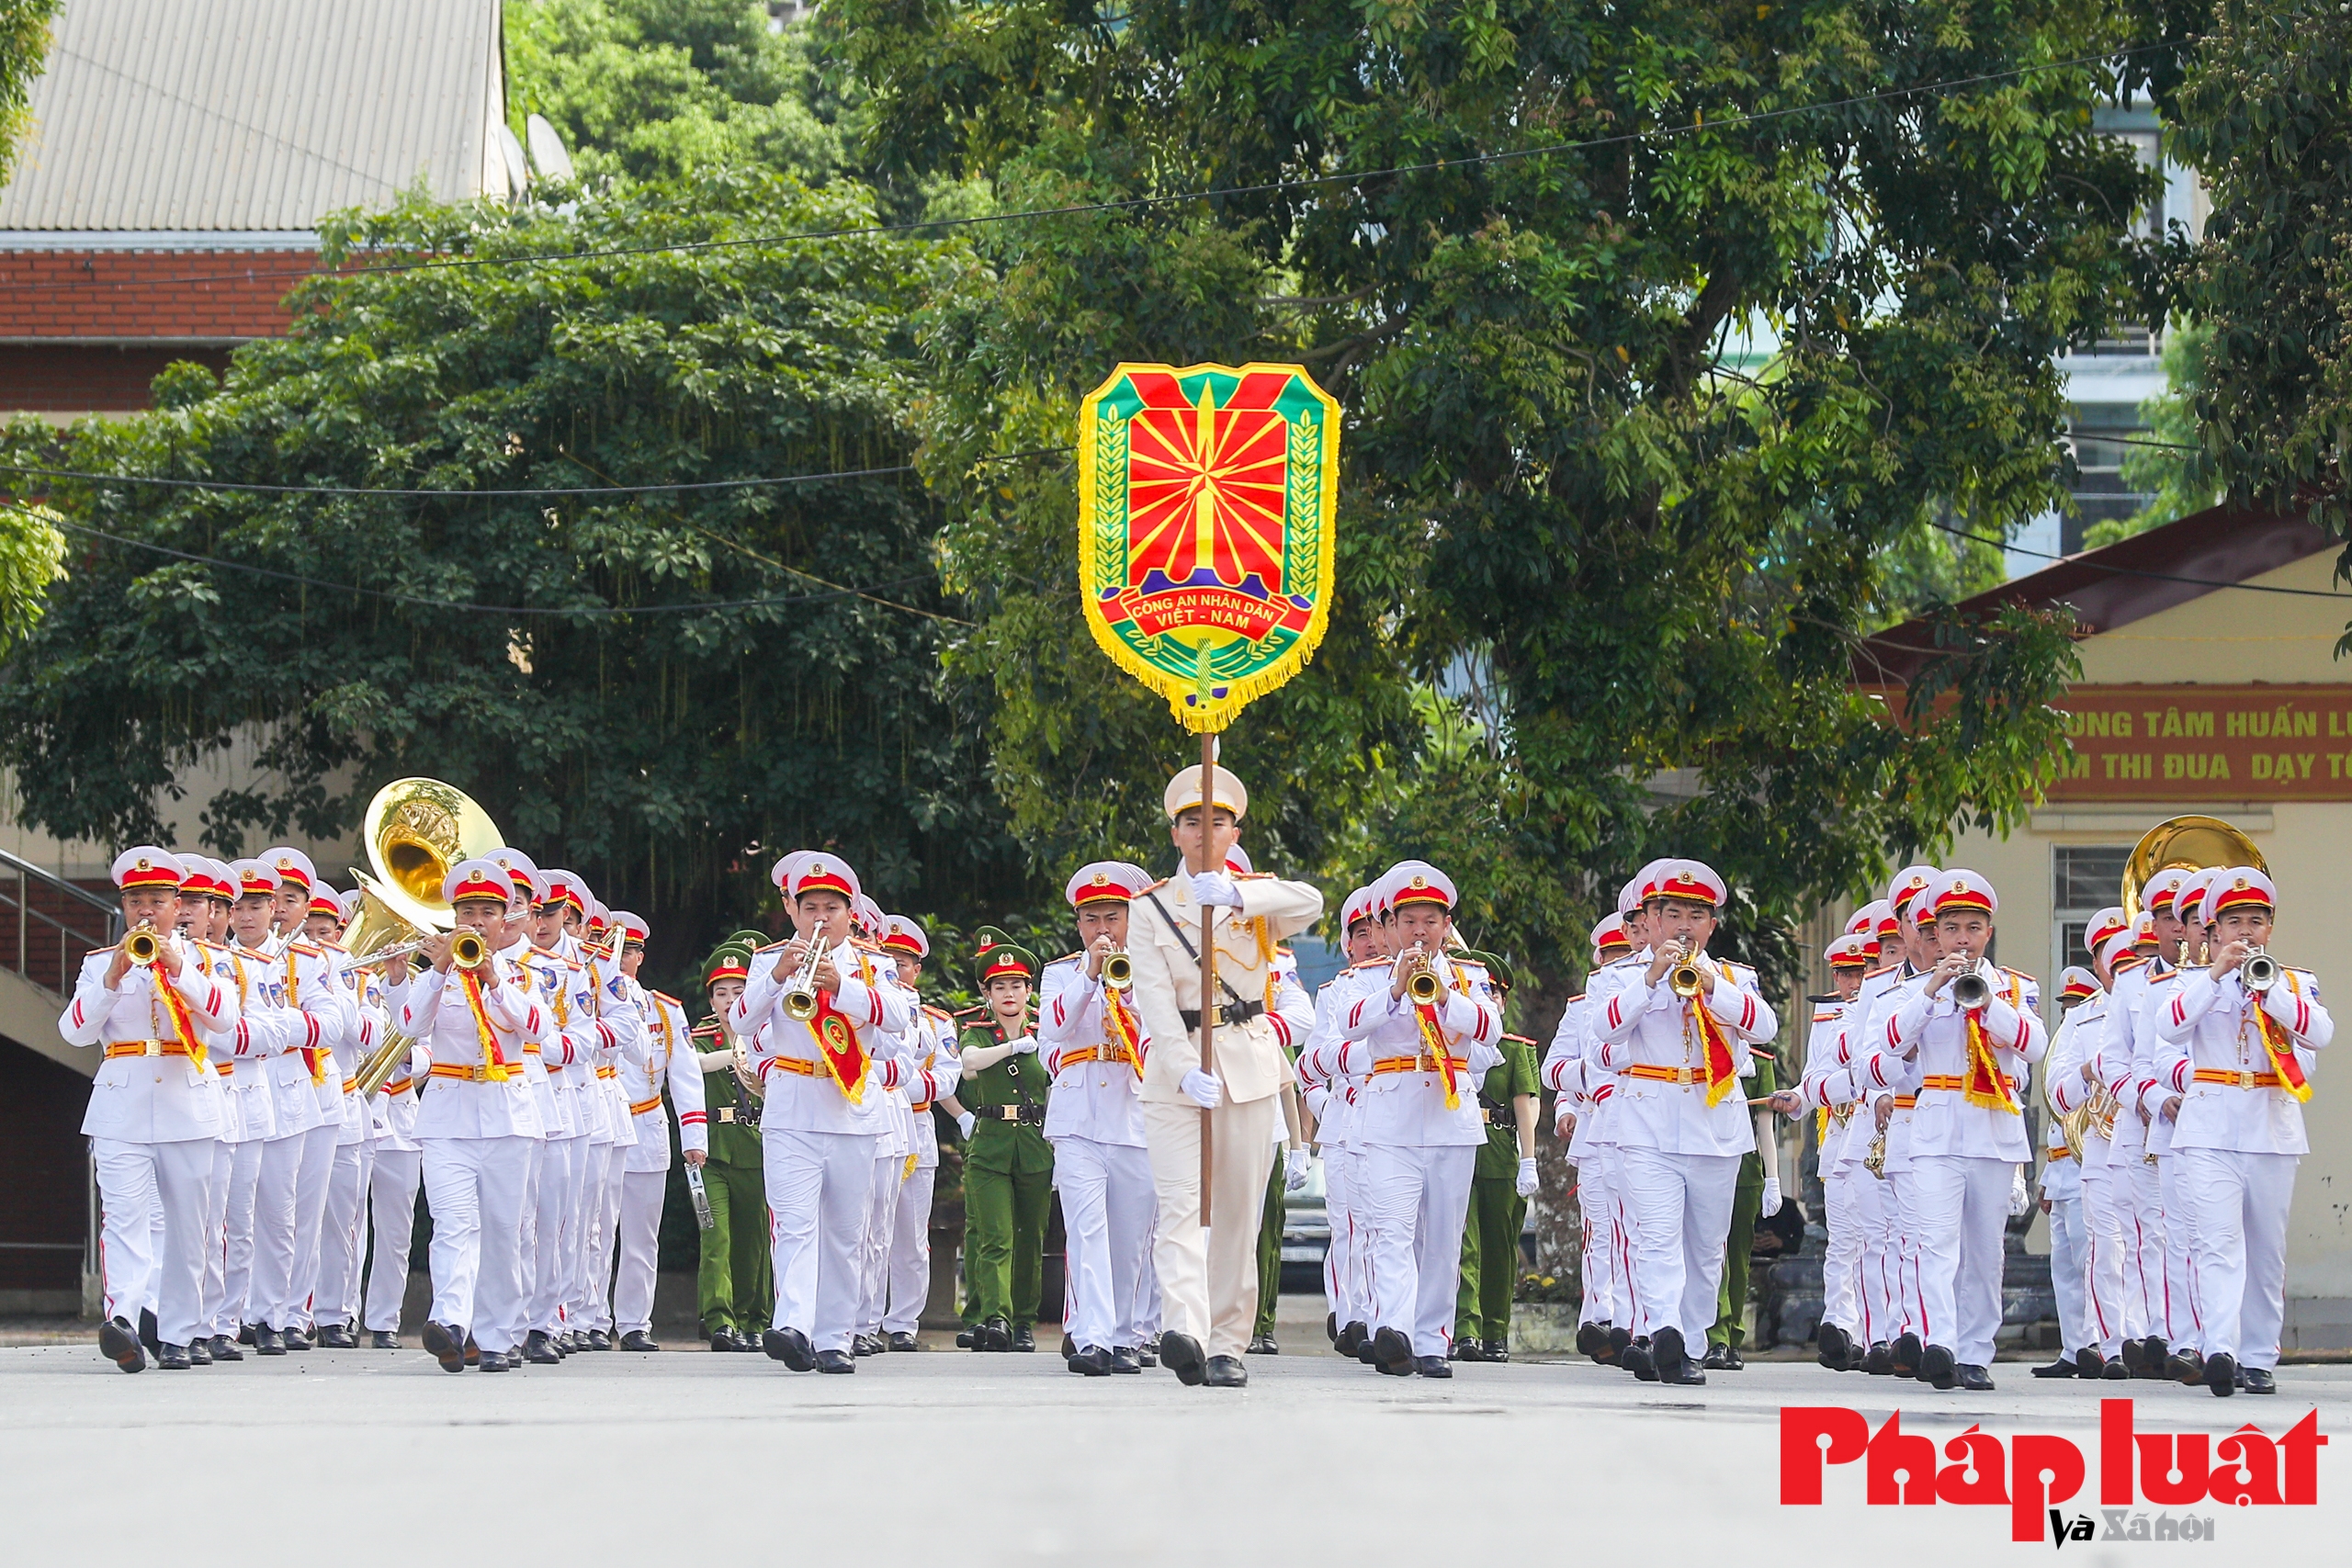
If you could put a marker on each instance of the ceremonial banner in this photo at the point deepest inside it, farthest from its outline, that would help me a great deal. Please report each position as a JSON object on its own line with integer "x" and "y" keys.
{"x": 1205, "y": 500}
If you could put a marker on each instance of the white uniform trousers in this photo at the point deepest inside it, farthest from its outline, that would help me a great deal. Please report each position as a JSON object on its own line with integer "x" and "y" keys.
{"x": 528, "y": 1256}
{"x": 2103, "y": 1254}
{"x": 873, "y": 1245}
{"x": 136, "y": 1183}
{"x": 640, "y": 1249}
{"x": 1148, "y": 1288}
{"x": 309, "y": 1223}
{"x": 603, "y": 1240}
{"x": 1842, "y": 1255}
{"x": 1208, "y": 1277}
{"x": 274, "y": 1230}
{"x": 2156, "y": 1293}
{"x": 1415, "y": 1199}
{"x": 2183, "y": 1315}
{"x": 1343, "y": 1255}
{"x": 1959, "y": 1206}
{"x": 229, "y": 1277}
{"x": 474, "y": 1188}
{"x": 1678, "y": 1207}
{"x": 2070, "y": 1274}
{"x": 1878, "y": 1258}
{"x": 552, "y": 1222}
{"x": 335, "y": 1298}
{"x": 214, "y": 1282}
{"x": 1106, "y": 1216}
{"x": 2240, "y": 1202}
{"x": 819, "y": 1186}
{"x": 1898, "y": 1208}
{"x": 1597, "y": 1238}
{"x": 910, "y": 1268}
{"x": 391, "y": 1204}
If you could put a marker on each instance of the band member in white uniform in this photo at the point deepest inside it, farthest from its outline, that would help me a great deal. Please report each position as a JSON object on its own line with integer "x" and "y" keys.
{"x": 2061, "y": 1185}
{"x": 1346, "y": 1290}
{"x": 1845, "y": 1327}
{"x": 1581, "y": 1117}
{"x": 933, "y": 1070}
{"x": 312, "y": 988}
{"x": 668, "y": 1069}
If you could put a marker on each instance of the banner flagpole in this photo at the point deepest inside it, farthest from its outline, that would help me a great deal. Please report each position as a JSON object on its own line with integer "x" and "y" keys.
{"x": 1208, "y": 939}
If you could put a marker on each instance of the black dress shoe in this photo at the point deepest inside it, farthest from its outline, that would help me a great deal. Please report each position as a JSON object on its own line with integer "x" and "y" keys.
{"x": 1833, "y": 1343}
{"x": 1636, "y": 1358}
{"x": 383, "y": 1339}
{"x": 1069, "y": 1348}
{"x": 965, "y": 1339}
{"x": 1906, "y": 1351}
{"x": 1125, "y": 1359}
{"x": 2089, "y": 1363}
{"x": 1181, "y": 1353}
{"x": 224, "y": 1349}
{"x": 1618, "y": 1339}
{"x": 1497, "y": 1349}
{"x": 599, "y": 1340}
{"x": 790, "y": 1346}
{"x": 1263, "y": 1345}
{"x": 1226, "y": 1371}
{"x": 1022, "y": 1339}
{"x": 1350, "y": 1338}
{"x": 1391, "y": 1353}
{"x": 1976, "y": 1379}
{"x": 1365, "y": 1353}
{"x": 1461, "y": 1351}
{"x": 245, "y": 1334}
{"x": 1093, "y": 1363}
{"x": 2063, "y": 1366}
{"x": 497, "y": 1361}
{"x": 861, "y": 1345}
{"x": 638, "y": 1339}
{"x": 1878, "y": 1361}
{"x": 1667, "y": 1353}
{"x": 1716, "y": 1360}
{"x": 448, "y": 1346}
{"x": 836, "y": 1361}
{"x": 724, "y": 1339}
{"x": 268, "y": 1341}
{"x": 199, "y": 1352}
{"x": 2258, "y": 1379}
{"x": 903, "y": 1341}
{"x": 2114, "y": 1372}
{"x": 2153, "y": 1353}
{"x": 294, "y": 1336}
{"x": 474, "y": 1352}
{"x": 120, "y": 1344}
{"x": 1590, "y": 1337}
{"x": 337, "y": 1337}
{"x": 1150, "y": 1355}
{"x": 1433, "y": 1367}
{"x": 993, "y": 1334}
{"x": 1690, "y": 1377}
{"x": 1938, "y": 1369}
{"x": 172, "y": 1358}
{"x": 147, "y": 1335}
{"x": 1331, "y": 1326}
{"x": 1733, "y": 1361}
{"x": 2221, "y": 1375}
{"x": 2134, "y": 1352}
{"x": 539, "y": 1349}
{"x": 2185, "y": 1367}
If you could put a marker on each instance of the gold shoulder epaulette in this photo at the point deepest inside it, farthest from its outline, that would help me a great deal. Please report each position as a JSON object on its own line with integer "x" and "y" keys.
{"x": 1159, "y": 884}
{"x": 937, "y": 1012}
{"x": 665, "y": 996}
{"x": 1065, "y": 958}
{"x": 771, "y": 947}
{"x": 304, "y": 948}
{"x": 332, "y": 946}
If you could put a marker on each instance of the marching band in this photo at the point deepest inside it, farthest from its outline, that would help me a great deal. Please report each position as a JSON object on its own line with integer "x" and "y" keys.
{"x": 285, "y": 1069}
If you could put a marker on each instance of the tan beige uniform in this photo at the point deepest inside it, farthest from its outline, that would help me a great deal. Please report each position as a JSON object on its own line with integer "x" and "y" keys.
{"x": 1208, "y": 1281}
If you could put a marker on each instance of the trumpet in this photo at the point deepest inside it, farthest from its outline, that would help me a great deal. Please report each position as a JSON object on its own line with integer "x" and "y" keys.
{"x": 468, "y": 951}
{"x": 800, "y": 994}
{"x": 1686, "y": 979}
{"x": 1424, "y": 988}
{"x": 1970, "y": 989}
{"x": 2261, "y": 970}
{"x": 1874, "y": 1159}
{"x": 1118, "y": 971}
{"x": 142, "y": 945}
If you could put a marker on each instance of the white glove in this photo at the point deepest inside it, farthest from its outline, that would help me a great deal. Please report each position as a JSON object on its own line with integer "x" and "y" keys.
{"x": 965, "y": 1124}
{"x": 1204, "y": 1089}
{"x": 1296, "y": 1169}
{"x": 1216, "y": 887}
{"x": 1024, "y": 1046}
{"x": 1526, "y": 1183}
{"x": 2019, "y": 1200}
{"x": 1772, "y": 1204}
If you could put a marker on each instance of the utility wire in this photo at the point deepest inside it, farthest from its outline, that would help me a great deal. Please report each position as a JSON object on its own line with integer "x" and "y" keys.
{"x": 2134, "y": 571}
{"x": 1308, "y": 182}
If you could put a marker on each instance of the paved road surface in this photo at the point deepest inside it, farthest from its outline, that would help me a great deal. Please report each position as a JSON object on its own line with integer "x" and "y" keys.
{"x": 353, "y": 1458}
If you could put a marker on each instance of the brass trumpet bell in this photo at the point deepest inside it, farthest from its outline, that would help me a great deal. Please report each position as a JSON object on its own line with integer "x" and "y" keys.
{"x": 1971, "y": 990}
{"x": 2194, "y": 842}
{"x": 1423, "y": 988}
{"x": 1686, "y": 980}
{"x": 2261, "y": 970}
{"x": 415, "y": 829}
{"x": 144, "y": 946}
{"x": 468, "y": 951}
{"x": 1118, "y": 971}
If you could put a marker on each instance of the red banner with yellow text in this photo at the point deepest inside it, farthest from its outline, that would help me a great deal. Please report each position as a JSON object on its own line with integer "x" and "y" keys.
{"x": 2205, "y": 743}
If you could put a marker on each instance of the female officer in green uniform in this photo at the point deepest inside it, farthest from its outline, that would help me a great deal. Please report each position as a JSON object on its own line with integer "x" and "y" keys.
{"x": 1508, "y": 1096}
{"x": 1008, "y": 1165}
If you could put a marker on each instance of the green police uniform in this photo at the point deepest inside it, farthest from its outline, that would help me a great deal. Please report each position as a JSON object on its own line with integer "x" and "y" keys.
{"x": 1746, "y": 1202}
{"x": 1008, "y": 1166}
{"x": 732, "y": 1284}
{"x": 1490, "y": 1237}
{"x": 1271, "y": 1221}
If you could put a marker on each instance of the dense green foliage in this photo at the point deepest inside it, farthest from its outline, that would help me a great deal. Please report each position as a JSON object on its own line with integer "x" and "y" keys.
{"x": 1631, "y": 419}
{"x": 23, "y": 47}
{"x": 667, "y": 755}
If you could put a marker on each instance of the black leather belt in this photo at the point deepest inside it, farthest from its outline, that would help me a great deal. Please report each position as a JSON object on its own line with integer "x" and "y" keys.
{"x": 1500, "y": 1116}
{"x": 1227, "y": 1014}
{"x": 1033, "y": 1115}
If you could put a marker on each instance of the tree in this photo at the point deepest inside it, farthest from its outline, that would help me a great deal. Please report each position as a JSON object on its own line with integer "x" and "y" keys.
{"x": 1654, "y": 327}
{"x": 2265, "y": 115}
{"x": 661, "y": 690}
{"x": 24, "y": 49}
{"x": 2167, "y": 470}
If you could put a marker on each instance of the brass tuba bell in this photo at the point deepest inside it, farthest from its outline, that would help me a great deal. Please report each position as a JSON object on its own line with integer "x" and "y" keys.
{"x": 2194, "y": 842}
{"x": 415, "y": 829}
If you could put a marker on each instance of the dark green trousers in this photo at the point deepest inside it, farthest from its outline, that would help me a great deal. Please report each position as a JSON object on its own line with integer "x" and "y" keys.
{"x": 1270, "y": 1250}
{"x": 1731, "y": 1298}
{"x": 733, "y": 1282}
{"x": 1004, "y": 1241}
{"x": 1490, "y": 1260}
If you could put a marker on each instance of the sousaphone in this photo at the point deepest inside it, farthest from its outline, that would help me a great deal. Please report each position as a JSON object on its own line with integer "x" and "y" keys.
{"x": 415, "y": 829}
{"x": 2195, "y": 844}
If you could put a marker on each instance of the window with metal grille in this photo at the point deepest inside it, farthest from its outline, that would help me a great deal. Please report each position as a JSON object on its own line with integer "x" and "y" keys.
{"x": 2085, "y": 880}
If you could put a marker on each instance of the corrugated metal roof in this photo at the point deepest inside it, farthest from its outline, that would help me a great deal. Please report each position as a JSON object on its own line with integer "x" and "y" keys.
{"x": 256, "y": 114}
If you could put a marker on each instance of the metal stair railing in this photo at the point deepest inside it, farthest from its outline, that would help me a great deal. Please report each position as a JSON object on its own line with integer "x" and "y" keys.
{"x": 56, "y": 924}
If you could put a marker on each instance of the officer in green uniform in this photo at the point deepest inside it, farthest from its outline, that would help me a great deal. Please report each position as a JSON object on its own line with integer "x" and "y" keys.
{"x": 1270, "y": 1221}
{"x": 1008, "y": 1165}
{"x": 1510, "y": 1097}
{"x": 1746, "y": 1203}
{"x": 732, "y": 1284}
